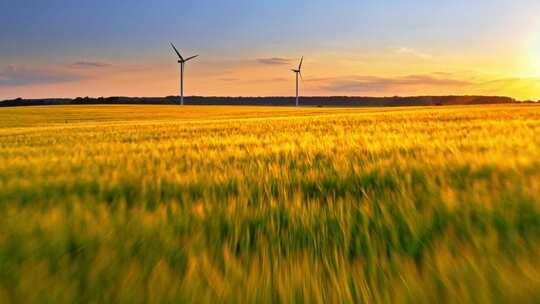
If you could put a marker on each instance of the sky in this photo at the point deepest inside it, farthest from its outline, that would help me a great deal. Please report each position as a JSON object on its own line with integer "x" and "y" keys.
{"x": 65, "y": 48}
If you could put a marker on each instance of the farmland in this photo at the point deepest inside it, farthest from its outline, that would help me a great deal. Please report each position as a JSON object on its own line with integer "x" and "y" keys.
{"x": 269, "y": 204}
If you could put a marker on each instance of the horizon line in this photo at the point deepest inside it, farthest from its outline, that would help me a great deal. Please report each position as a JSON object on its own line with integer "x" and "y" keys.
{"x": 267, "y": 96}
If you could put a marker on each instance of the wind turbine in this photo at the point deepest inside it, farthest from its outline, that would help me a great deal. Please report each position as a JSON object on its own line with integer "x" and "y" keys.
{"x": 182, "y": 62}
{"x": 298, "y": 72}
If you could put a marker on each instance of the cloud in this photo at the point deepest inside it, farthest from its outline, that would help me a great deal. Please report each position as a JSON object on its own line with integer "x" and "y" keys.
{"x": 274, "y": 61}
{"x": 90, "y": 64}
{"x": 13, "y": 75}
{"x": 509, "y": 81}
{"x": 445, "y": 74}
{"x": 265, "y": 80}
{"x": 519, "y": 87}
{"x": 373, "y": 84}
{"x": 248, "y": 80}
{"x": 412, "y": 52}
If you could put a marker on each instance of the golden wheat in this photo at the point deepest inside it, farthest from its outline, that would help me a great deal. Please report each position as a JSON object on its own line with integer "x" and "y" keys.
{"x": 252, "y": 204}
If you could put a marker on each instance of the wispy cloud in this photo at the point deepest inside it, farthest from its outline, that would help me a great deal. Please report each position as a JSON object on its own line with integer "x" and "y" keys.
{"x": 519, "y": 87}
{"x": 14, "y": 75}
{"x": 228, "y": 79}
{"x": 265, "y": 80}
{"x": 274, "y": 61}
{"x": 381, "y": 84}
{"x": 90, "y": 64}
{"x": 421, "y": 84}
{"x": 412, "y": 52}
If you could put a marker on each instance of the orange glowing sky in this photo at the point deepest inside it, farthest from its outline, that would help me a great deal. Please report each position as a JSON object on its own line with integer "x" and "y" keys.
{"x": 414, "y": 47}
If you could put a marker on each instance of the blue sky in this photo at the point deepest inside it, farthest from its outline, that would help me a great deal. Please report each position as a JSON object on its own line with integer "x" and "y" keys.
{"x": 47, "y": 36}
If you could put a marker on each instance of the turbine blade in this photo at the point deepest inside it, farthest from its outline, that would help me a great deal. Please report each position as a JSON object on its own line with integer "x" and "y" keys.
{"x": 187, "y": 59}
{"x": 301, "y": 76}
{"x": 301, "y": 60}
{"x": 177, "y": 52}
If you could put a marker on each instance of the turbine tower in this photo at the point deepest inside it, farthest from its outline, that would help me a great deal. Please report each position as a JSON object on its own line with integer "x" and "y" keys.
{"x": 298, "y": 72}
{"x": 182, "y": 62}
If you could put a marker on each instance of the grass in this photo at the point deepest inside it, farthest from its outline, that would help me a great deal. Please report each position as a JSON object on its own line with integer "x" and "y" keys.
{"x": 161, "y": 204}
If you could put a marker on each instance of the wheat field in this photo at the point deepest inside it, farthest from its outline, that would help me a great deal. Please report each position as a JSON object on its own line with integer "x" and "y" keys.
{"x": 168, "y": 204}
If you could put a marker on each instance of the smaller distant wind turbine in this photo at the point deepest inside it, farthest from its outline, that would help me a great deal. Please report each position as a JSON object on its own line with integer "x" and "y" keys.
{"x": 182, "y": 62}
{"x": 298, "y": 73}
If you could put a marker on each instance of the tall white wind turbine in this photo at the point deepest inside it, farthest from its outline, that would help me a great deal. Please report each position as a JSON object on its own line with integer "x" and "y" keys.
{"x": 298, "y": 73}
{"x": 182, "y": 62}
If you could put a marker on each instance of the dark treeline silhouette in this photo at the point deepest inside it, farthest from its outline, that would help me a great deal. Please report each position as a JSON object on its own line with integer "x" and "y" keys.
{"x": 334, "y": 101}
